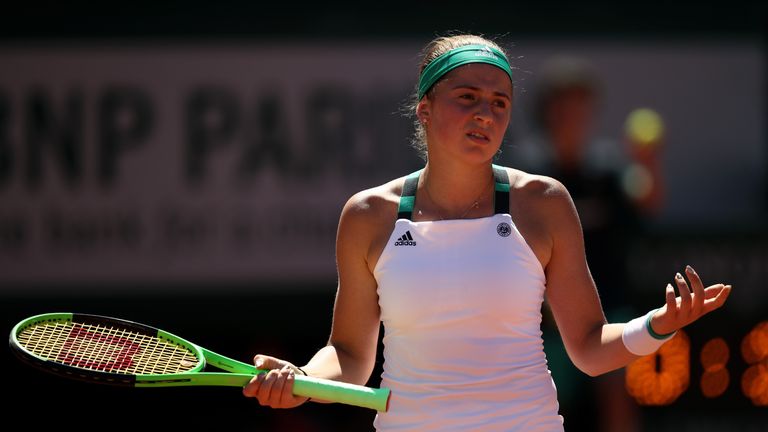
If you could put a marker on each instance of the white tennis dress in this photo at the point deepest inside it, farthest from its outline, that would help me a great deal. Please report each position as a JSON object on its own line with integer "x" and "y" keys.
{"x": 461, "y": 306}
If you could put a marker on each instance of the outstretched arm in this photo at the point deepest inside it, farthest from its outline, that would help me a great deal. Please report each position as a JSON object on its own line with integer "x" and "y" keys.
{"x": 594, "y": 345}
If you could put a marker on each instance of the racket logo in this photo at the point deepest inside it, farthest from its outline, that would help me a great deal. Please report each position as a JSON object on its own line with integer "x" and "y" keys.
{"x": 114, "y": 353}
{"x": 503, "y": 229}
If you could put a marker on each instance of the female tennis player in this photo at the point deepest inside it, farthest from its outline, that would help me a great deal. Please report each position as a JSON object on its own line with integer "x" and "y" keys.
{"x": 456, "y": 260}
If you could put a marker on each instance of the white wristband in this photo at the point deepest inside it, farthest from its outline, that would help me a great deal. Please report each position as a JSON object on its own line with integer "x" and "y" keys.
{"x": 639, "y": 337}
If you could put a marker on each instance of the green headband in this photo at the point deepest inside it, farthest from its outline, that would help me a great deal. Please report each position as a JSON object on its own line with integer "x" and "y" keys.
{"x": 456, "y": 57}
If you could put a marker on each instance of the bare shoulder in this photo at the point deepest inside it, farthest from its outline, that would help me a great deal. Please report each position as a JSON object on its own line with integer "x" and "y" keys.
{"x": 543, "y": 211}
{"x": 543, "y": 199}
{"x": 539, "y": 189}
{"x": 374, "y": 205}
{"x": 371, "y": 213}
{"x": 366, "y": 222}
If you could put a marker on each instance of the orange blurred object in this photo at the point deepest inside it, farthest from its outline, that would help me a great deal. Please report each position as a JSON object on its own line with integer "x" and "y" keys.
{"x": 715, "y": 355}
{"x": 714, "y": 384}
{"x": 754, "y": 346}
{"x": 662, "y": 385}
{"x": 754, "y": 349}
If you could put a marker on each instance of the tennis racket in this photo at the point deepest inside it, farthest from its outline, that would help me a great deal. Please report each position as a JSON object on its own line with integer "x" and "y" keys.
{"x": 113, "y": 351}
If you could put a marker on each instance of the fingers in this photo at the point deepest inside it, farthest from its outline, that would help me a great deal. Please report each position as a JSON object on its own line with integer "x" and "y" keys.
{"x": 252, "y": 388}
{"x": 722, "y": 293}
{"x": 271, "y": 391}
{"x": 685, "y": 296}
{"x": 702, "y": 301}
{"x": 688, "y": 307}
{"x": 265, "y": 390}
{"x": 713, "y": 291}
{"x": 273, "y": 387}
{"x": 286, "y": 396}
{"x": 698, "y": 291}
{"x": 264, "y": 362}
{"x": 665, "y": 319}
{"x": 671, "y": 301}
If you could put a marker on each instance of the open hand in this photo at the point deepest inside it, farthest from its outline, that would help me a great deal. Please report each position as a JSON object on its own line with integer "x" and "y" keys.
{"x": 689, "y": 306}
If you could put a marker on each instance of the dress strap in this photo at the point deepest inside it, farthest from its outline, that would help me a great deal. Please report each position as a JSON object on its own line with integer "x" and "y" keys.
{"x": 501, "y": 194}
{"x": 500, "y": 197}
{"x": 408, "y": 196}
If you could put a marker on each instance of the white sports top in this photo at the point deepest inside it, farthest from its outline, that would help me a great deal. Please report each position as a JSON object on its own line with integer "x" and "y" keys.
{"x": 461, "y": 305}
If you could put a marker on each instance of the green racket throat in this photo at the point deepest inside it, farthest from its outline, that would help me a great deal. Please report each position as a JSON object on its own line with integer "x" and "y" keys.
{"x": 112, "y": 351}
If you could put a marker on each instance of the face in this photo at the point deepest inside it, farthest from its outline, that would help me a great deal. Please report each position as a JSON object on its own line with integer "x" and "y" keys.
{"x": 467, "y": 113}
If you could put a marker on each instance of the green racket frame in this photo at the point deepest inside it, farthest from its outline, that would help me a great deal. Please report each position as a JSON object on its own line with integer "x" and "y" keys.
{"x": 238, "y": 373}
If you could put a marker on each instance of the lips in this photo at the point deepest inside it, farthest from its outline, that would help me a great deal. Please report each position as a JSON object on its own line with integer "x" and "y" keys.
{"x": 478, "y": 135}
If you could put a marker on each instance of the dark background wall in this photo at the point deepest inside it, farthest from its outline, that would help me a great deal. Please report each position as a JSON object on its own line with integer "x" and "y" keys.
{"x": 389, "y": 20}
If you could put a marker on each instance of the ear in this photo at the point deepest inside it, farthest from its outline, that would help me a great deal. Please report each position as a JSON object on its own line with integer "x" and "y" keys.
{"x": 423, "y": 111}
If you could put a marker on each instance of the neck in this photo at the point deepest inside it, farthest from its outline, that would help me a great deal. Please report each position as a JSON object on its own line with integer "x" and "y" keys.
{"x": 453, "y": 189}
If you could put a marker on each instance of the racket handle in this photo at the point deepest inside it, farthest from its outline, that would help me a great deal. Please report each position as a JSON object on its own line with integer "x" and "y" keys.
{"x": 336, "y": 391}
{"x": 316, "y": 388}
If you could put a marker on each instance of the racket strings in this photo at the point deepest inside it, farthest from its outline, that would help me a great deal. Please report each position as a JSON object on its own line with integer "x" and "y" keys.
{"x": 106, "y": 348}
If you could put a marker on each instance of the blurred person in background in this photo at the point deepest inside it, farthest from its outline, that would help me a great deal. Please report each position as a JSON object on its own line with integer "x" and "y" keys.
{"x": 456, "y": 260}
{"x": 616, "y": 186}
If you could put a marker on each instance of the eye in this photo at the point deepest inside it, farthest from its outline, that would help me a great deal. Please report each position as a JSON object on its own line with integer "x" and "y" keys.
{"x": 467, "y": 96}
{"x": 501, "y": 103}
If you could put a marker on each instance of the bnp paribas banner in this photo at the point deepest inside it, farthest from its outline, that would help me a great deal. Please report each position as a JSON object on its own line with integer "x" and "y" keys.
{"x": 192, "y": 163}
{"x": 230, "y": 162}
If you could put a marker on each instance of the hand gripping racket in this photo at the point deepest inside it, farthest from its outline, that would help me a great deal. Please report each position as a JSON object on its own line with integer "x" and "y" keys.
{"x": 123, "y": 353}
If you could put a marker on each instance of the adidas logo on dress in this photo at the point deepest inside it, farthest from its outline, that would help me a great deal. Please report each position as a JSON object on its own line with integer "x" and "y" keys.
{"x": 405, "y": 240}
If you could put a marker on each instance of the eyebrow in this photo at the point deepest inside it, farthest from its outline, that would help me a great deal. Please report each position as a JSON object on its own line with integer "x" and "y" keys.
{"x": 466, "y": 86}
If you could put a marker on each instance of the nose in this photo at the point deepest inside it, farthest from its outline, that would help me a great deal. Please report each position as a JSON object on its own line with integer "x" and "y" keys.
{"x": 483, "y": 113}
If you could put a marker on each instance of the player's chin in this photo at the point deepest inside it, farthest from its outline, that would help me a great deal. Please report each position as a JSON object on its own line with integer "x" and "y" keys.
{"x": 481, "y": 151}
